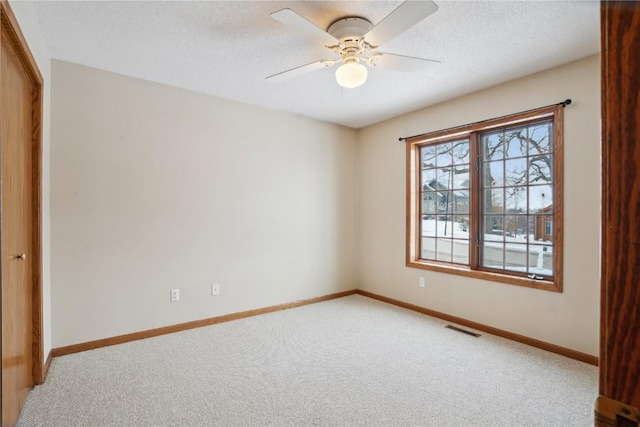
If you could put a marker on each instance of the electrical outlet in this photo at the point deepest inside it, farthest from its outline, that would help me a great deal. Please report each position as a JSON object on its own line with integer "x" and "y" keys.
{"x": 175, "y": 295}
{"x": 215, "y": 289}
{"x": 421, "y": 282}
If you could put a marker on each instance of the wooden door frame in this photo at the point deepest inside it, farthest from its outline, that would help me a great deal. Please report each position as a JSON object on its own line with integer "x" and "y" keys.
{"x": 619, "y": 399}
{"x": 10, "y": 28}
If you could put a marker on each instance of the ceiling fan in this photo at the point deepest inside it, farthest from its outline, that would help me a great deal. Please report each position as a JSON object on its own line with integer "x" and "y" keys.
{"x": 355, "y": 40}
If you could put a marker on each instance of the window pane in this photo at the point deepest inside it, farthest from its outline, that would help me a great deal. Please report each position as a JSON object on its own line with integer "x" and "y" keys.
{"x": 461, "y": 201}
{"x": 516, "y": 258}
{"x": 494, "y": 228}
{"x": 428, "y": 248}
{"x": 429, "y": 202}
{"x": 444, "y": 179}
{"x": 492, "y": 146}
{"x": 516, "y": 172}
{"x": 531, "y": 225}
{"x": 516, "y": 199}
{"x": 493, "y": 174}
{"x": 515, "y": 228}
{"x": 494, "y": 201}
{"x": 540, "y": 169}
{"x": 542, "y": 224}
{"x": 461, "y": 152}
{"x": 428, "y": 226}
{"x": 445, "y": 166}
{"x": 443, "y": 252}
{"x": 428, "y": 179}
{"x": 445, "y": 205}
{"x": 461, "y": 226}
{"x": 461, "y": 177}
{"x": 461, "y": 251}
{"x": 515, "y": 143}
{"x": 493, "y": 255}
{"x": 445, "y": 226}
{"x": 541, "y": 260}
{"x": 428, "y": 155}
{"x": 540, "y": 198}
{"x": 540, "y": 139}
{"x": 444, "y": 157}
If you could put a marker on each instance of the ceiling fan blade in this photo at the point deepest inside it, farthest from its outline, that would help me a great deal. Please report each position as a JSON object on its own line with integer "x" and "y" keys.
{"x": 291, "y": 19}
{"x": 295, "y": 72}
{"x": 401, "y": 63}
{"x": 401, "y": 19}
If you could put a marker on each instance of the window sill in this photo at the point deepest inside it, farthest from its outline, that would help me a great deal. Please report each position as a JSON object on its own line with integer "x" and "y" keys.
{"x": 547, "y": 285}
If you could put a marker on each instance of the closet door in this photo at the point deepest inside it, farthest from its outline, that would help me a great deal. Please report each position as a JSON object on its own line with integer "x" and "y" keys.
{"x": 16, "y": 95}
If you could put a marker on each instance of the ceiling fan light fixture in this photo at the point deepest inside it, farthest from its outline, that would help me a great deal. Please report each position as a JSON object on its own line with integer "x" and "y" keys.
{"x": 351, "y": 75}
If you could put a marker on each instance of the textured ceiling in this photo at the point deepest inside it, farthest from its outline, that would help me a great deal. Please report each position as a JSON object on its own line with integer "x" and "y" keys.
{"x": 227, "y": 48}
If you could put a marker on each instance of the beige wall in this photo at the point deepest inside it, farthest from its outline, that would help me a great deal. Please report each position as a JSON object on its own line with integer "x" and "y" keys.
{"x": 569, "y": 319}
{"x": 28, "y": 23}
{"x": 158, "y": 188}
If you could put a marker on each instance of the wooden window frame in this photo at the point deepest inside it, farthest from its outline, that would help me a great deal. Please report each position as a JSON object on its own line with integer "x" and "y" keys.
{"x": 471, "y": 131}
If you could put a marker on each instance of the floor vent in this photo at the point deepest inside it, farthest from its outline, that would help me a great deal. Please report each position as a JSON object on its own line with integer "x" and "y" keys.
{"x": 455, "y": 328}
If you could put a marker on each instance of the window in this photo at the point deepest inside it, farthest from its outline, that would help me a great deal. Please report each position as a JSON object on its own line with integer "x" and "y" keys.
{"x": 484, "y": 200}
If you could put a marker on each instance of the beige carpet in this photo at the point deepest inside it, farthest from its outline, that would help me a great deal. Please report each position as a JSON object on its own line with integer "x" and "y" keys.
{"x": 350, "y": 361}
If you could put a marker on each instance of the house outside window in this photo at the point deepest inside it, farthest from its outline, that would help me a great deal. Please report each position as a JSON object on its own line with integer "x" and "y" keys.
{"x": 484, "y": 200}
{"x": 543, "y": 227}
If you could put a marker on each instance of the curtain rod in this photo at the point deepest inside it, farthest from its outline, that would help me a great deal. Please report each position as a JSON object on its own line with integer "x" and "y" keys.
{"x": 563, "y": 103}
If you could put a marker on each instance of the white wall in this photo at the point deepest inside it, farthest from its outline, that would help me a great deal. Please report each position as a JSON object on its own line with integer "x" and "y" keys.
{"x": 158, "y": 188}
{"x": 569, "y": 319}
{"x": 28, "y": 23}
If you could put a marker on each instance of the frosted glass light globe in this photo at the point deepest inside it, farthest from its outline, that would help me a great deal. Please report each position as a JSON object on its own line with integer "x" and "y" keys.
{"x": 351, "y": 75}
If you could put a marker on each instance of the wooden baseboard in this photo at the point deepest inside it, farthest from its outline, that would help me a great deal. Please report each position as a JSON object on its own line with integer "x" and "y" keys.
{"x": 91, "y": 345}
{"x": 45, "y": 368}
{"x": 563, "y": 351}
{"x": 75, "y": 348}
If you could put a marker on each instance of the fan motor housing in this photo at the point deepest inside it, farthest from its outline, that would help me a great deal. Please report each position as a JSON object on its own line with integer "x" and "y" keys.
{"x": 349, "y": 29}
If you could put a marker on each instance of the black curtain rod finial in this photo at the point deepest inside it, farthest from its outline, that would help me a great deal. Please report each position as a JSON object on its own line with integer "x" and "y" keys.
{"x": 566, "y": 102}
